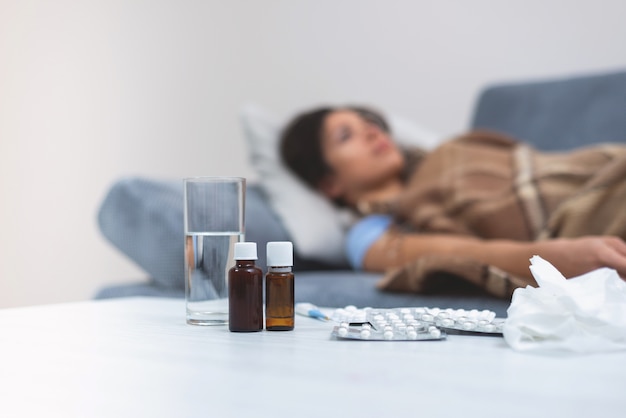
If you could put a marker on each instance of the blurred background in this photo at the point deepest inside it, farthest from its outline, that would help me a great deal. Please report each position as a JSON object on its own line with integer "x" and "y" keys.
{"x": 93, "y": 90}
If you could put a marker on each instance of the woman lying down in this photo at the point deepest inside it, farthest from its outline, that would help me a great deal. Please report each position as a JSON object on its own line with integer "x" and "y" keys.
{"x": 477, "y": 207}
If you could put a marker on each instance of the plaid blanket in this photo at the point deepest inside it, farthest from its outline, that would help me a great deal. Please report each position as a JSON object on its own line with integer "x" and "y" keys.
{"x": 487, "y": 185}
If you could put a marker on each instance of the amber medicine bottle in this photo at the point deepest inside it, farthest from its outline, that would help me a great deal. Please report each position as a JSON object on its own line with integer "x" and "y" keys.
{"x": 245, "y": 290}
{"x": 279, "y": 287}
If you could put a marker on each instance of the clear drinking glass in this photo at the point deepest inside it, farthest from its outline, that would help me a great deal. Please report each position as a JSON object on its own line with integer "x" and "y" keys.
{"x": 214, "y": 222}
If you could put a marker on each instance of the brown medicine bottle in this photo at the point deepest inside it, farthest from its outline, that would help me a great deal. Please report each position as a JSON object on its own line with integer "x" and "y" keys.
{"x": 279, "y": 287}
{"x": 245, "y": 290}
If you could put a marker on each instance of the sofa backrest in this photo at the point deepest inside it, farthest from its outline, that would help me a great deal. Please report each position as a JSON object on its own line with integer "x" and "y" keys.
{"x": 557, "y": 114}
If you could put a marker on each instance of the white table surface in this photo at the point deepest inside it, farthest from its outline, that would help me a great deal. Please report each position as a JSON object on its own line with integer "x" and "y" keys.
{"x": 137, "y": 358}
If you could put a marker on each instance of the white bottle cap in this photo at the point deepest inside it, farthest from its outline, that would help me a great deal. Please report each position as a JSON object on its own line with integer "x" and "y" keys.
{"x": 245, "y": 251}
{"x": 279, "y": 254}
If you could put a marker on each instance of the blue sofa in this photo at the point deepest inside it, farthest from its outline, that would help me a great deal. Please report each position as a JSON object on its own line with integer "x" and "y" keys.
{"x": 143, "y": 217}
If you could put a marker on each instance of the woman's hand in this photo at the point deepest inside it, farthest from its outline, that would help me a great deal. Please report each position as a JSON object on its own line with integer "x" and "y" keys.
{"x": 576, "y": 256}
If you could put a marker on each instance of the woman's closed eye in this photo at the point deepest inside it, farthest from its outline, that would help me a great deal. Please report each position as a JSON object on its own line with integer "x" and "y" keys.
{"x": 343, "y": 134}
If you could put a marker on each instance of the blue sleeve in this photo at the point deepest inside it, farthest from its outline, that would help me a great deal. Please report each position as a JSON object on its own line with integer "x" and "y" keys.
{"x": 362, "y": 235}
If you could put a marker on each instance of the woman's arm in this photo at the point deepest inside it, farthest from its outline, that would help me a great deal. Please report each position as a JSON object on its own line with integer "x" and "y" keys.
{"x": 571, "y": 256}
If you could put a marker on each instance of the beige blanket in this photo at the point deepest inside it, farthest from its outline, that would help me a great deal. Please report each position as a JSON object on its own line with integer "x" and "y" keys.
{"x": 490, "y": 186}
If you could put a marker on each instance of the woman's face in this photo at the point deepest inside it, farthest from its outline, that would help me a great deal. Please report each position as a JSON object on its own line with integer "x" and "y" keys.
{"x": 360, "y": 153}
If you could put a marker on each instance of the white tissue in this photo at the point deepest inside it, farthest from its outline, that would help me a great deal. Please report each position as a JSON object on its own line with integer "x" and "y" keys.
{"x": 584, "y": 314}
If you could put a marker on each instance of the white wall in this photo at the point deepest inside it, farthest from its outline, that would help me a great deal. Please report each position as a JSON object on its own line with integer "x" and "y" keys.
{"x": 92, "y": 90}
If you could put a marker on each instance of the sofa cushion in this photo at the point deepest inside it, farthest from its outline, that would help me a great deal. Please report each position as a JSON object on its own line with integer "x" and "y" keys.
{"x": 557, "y": 114}
{"x": 143, "y": 218}
{"x": 341, "y": 288}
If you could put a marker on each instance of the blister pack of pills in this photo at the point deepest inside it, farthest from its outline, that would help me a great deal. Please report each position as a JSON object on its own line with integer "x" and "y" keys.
{"x": 412, "y": 324}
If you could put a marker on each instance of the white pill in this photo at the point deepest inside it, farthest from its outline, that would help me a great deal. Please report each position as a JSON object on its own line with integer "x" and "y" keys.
{"x": 388, "y": 328}
{"x": 379, "y": 317}
{"x": 342, "y": 332}
{"x": 366, "y": 326}
{"x": 485, "y": 314}
{"x": 468, "y": 325}
{"x": 435, "y": 333}
{"x": 350, "y": 308}
{"x": 405, "y": 310}
{"x": 388, "y": 335}
{"x": 411, "y": 335}
{"x": 427, "y": 318}
{"x": 443, "y": 315}
{"x": 365, "y": 334}
{"x": 344, "y": 325}
{"x": 489, "y": 328}
{"x": 447, "y": 322}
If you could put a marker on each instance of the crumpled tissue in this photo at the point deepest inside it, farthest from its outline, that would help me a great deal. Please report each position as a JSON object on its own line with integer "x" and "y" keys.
{"x": 585, "y": 314}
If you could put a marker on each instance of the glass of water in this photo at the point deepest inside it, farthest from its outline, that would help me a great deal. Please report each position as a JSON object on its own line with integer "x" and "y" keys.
{"x": 214, "y": 222}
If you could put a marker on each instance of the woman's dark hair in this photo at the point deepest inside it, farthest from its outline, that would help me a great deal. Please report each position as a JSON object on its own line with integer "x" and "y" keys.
{"x": 301, "y": 142}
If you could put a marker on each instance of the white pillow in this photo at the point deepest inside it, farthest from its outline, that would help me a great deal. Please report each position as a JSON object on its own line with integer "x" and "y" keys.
{"x": 316, "y": 226}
